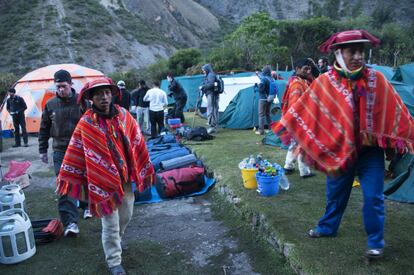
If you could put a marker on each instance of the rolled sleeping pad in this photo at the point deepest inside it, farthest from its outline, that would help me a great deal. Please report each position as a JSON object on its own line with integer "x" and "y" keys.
{"x": 178, "y": 162}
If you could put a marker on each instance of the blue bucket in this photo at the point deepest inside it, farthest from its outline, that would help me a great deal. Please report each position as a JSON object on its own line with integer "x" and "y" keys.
{"x": 267, "y": 186}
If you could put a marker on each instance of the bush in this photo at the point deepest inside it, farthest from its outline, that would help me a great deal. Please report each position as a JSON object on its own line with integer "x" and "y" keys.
{"x": 6, "y": 82}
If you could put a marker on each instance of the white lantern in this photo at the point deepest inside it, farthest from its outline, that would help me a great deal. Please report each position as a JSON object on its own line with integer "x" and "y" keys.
{"x": 11, "y": 197}
{"x": 17, "y": 241}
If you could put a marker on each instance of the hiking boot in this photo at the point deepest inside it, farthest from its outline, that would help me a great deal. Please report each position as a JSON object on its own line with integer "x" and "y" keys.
{"x": 16, "y": 145}
{"x": 72, "y": 230}
{"x": 26, "y": 145}
{"x": 117, "y": 270}
{"x": 87, "y": 214}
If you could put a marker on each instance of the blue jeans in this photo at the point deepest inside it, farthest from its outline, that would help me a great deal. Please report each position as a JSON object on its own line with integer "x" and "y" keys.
{"x": 67, "y": 206}
{"x": 370, "y": 170}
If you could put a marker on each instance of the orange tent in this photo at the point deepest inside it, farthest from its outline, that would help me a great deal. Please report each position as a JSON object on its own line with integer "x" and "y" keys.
{"x": 37, "y": 87}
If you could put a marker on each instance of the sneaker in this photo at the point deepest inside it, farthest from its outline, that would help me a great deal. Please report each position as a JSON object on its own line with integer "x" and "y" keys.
{"x": 288, "y": 171}
{"x": 259, "y": 133}
{"x": 87, "y": 214}
{"x": 72, "y": 230}
{"x": 211, "y": 130}
{"x": 374, "y": 253}
{"x": 117, "y": 270}
{"x": 308, "y": 176}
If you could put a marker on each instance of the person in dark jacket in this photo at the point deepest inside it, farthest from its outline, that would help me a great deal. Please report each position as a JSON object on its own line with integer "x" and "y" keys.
{"x": 265, "y": 98}
{"x": 213, "y": 97}
{"x": 142, "y": 107}
{"x": 59, "y": 119}
{"x": 323, "y": 65}
{"x": 179, "y": 95}
{"x": 124, "y": 100}
{"x": 16, "y": 105}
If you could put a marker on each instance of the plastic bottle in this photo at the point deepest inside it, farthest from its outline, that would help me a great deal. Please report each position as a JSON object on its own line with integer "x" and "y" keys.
{"x": 243, "y": 163}
{"x": 252, "y": 161}
{"x": 284, "y": 182}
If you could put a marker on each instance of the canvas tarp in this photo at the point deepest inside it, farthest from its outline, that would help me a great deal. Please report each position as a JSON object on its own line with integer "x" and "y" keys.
{"x": 37, "y": 87}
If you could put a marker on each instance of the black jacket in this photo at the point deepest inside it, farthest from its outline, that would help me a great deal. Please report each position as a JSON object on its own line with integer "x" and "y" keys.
{"x": 59, "y": 119}
{"x": 177, "y": 91}
{"x": 138, "y": 97}
{"x": 125, "y": 100}
{"x": 15, "y": 105}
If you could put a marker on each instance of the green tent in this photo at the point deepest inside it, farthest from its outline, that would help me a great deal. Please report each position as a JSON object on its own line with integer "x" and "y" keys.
{"x": 405, "y": 74}
{"x": 401, "y": 188}
{"x": 242, "y": 112}
{"x": 406, "y": 92}
{"x": 190, "y": 85}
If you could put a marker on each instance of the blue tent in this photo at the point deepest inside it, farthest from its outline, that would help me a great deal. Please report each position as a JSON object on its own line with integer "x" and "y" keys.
{"x": 405, "y": 74}
{"x": 388, "y": 72}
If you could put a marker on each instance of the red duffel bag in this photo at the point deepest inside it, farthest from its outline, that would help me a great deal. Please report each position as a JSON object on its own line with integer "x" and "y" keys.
{"x": 180, "y": 182}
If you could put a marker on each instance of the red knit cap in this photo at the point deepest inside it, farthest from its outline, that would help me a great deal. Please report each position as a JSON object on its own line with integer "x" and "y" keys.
{"x": 100, "y": 82}
{"x": 348, "y": 37}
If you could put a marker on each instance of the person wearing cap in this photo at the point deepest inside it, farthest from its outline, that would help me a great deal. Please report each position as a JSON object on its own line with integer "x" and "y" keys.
{"x": 297, "y": 85}
{"x": 16, "y": 106}
{"x": 344, "y": 122}
{"x": 59, "y": 119}
{"x": 180, "y": 97}
{"x": 107, "y": 152}
{"x": 157, "y": 99}
{"x": 124, "y": 99}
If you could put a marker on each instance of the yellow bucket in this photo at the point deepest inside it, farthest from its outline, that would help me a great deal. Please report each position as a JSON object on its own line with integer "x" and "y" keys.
{"x": 249, "y": 178}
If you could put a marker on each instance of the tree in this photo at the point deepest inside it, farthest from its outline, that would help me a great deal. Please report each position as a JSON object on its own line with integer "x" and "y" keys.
{"x": 183, "y": 59}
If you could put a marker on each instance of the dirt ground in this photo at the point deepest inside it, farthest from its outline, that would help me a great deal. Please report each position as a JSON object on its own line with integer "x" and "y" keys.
{"x": 187, "y": 226}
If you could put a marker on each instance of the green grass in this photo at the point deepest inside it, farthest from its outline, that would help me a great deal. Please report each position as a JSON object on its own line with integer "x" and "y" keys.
{"x": 292, "y": 213}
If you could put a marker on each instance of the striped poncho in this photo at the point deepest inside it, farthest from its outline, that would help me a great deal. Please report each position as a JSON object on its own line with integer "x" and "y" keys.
{"x": 337, "y": 116}
{"x": 102, "y": 156}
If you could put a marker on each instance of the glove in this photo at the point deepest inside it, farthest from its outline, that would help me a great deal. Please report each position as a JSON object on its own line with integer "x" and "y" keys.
{"x": 43, "y": 158}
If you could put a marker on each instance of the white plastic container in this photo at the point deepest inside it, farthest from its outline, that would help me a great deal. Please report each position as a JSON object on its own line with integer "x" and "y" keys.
{"x": 12, "y": 197}
{"x": 17, "y": 241}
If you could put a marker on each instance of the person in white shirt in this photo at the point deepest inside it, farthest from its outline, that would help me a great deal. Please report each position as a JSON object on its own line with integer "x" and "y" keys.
{"x": 157, "y": 101}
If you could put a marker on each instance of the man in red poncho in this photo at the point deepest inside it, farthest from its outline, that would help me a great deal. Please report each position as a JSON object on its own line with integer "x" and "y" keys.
{"x": 105, "y": 155}
{"x": 343, "y": 123}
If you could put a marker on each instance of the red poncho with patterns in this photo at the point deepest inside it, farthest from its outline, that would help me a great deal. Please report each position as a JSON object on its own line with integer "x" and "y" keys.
{"x": 295, "y": 88}
{"x": 103, "y": 154}
{"x": 336, "y": 116}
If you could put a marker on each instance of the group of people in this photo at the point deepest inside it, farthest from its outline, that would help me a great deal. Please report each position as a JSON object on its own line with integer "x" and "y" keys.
{"x": 340, "y": 123}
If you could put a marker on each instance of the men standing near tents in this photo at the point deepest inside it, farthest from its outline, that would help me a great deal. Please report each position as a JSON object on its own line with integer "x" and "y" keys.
{"x": 213, "y": 97}
{"x": 16, "y": 105}
{"x": 157, "y": 101}
{"x": 106, "y": 154}
{"x": 180, "y": 97}
{"x": 142, "y": 107}
{"x": 59, "y": 119}
{"x": 124, "y": 99}
{"x": 267, "y": 93}
{"x": 297, "y": 85}
{"x": 343, "y": 123}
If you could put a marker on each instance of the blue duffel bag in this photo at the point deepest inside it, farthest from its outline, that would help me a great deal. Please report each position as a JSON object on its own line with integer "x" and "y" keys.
{"x": 163, "y": 152}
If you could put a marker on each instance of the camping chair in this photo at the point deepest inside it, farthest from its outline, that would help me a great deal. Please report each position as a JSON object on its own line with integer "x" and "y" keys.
{"x": 17, "y": 173}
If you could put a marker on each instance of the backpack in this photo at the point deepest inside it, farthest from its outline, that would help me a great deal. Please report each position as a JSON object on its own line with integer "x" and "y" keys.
{"x": 219, "y": 89}
{"x": 180, "y": 182}
{"x": 272, "y": 87}
{"x": 198, "y": 134}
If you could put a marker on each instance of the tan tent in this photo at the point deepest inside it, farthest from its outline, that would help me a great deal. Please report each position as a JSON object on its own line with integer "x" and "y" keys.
{"x": 37, "y": 87}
